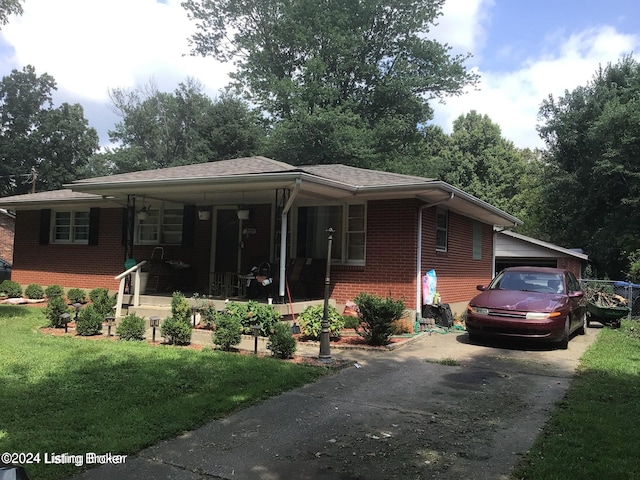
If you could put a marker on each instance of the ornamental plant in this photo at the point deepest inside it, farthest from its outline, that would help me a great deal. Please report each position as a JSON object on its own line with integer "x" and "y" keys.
{"x": 11, "y": 289}
{"x": 131, "y": 327}
{"x": 89, "y": 321}
{"x": 102, "y": 302}
{"x": 254, "y": 313}
{"x": 228, "y": 331}
{"x": 377, "y": 316}
{"x": 176, "y": 331}
{"x": 54, "y": 291}
{"x": 311, "y": 321}
{"x": 34, "y": 291}
{"x": 76, "y": 295}
{"x": 281, "y": 341}
{"x": 56, "y": 306}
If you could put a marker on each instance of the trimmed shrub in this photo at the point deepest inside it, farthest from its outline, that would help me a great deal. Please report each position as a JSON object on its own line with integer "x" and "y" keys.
{"x": 54, "y": 291}
{"x": 281, "y": 341}
{"x": 228, "y": 331}
{"x": 11, "y": 289}
{"x": 208, "y": 314}
{"x": 89, "y": 321}
{"x": 176, "y": 331}
{"x": 56, "y": 306}
{"x": 131, "y": 327}
{"x": 102, "y": 302}
{"x": 311, "y": 321}
{"x": 351, "y": 321}
{"x": 377, "y": 316}
{"x": 34, "y": 291}
{"x": 180, "y": 308}
{"x": 76, "y": 295}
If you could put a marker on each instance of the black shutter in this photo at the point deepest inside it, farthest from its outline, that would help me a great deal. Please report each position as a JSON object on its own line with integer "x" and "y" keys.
{"x": 45, "y": 226}
{"x": 94, "y": 226}
{"x": 188, "y": 225}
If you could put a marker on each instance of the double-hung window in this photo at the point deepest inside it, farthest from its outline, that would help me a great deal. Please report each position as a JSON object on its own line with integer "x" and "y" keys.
{"x": 71, "y": 227}
{"x": 442, "y": 229}
{"x": 160, "y": 226}
{"x": 349, "y": 237}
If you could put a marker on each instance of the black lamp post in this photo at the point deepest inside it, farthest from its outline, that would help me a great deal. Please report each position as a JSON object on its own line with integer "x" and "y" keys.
{"x": 77, "y": 306}
{"x": 154, "y": 322}
{"x": 65, "y": 318}
{"x": 255, "y": 329}
{"x": 325, "y": 345}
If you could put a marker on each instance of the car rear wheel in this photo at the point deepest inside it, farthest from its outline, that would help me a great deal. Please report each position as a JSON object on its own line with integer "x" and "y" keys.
{"x": 564, "y": 342}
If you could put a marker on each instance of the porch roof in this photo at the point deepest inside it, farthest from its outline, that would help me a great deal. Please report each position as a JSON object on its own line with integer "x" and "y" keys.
{"x": 252, "y": 180}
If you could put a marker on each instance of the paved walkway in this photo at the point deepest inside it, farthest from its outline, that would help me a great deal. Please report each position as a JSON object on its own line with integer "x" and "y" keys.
{"x": 436, "y": 408}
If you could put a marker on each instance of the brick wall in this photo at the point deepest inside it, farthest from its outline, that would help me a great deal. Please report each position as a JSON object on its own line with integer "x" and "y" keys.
{"x": 391, "y": 256}
{"x": 7, "y": 231}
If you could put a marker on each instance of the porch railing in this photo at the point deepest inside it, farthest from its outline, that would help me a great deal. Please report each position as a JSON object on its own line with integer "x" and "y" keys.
{"x": 135, "y": 277}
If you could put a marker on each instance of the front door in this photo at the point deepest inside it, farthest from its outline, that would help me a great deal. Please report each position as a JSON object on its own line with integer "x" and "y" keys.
{"x": 227, "y": 241}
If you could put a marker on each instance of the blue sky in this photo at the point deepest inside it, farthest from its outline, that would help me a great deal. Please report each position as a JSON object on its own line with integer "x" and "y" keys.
{"x": 523, "y": 51}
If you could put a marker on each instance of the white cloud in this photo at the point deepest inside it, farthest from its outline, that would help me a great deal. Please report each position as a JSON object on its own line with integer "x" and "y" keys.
{"x": 512, "y": 98}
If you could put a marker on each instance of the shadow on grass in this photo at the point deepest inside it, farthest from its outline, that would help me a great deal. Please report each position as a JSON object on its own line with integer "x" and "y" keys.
{"x": 75, "y": 396}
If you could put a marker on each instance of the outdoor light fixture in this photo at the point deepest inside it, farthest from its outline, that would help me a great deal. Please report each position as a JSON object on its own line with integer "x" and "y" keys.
{"x": 154, "y": 322}
{"x": 255, "y": 329}
{"x": 144, "y": 211}
{"x": 65, "y": 318}
{"x": 77, "y": 306}
{"x": 194, "y": 310}
{"x": 204, "y": 214}
{"x": 243, "y": 214}
{"x": 109, "y": 321}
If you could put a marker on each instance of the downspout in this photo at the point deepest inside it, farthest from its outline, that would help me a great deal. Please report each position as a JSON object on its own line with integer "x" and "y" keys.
{"x": 283, "y": 239}
{"x": 419, "y": 256}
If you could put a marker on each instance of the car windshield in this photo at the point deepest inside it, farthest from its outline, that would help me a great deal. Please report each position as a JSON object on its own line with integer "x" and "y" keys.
{"x": 529, "y": 282}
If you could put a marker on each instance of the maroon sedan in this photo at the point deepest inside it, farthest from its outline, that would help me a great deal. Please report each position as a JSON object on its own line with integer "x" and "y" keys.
{"x": 537, "y": 303}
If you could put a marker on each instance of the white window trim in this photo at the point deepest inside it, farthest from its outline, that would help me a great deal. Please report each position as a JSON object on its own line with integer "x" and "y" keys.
{"x": 72, "y": 228}
{"x": 159, "y": 227}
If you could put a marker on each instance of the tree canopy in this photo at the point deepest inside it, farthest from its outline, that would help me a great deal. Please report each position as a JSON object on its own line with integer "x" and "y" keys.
{"x": 8, "y": 8}
{"x": 592, "y": 180}
{"x": 350, "y": 81}
{"x": 160, "y": 129}
{"x": 36, "y": 137}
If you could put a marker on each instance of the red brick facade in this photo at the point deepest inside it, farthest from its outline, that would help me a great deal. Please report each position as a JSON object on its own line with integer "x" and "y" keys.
{"x": 390, "y": 267}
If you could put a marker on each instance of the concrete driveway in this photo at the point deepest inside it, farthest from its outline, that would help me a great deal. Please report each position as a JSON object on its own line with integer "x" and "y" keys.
{"x": 398, "y": 414}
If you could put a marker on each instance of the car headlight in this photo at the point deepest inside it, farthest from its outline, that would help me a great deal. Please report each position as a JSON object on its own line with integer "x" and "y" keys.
{"x": 478, "y": 310}
{"x": 541, "y": 315}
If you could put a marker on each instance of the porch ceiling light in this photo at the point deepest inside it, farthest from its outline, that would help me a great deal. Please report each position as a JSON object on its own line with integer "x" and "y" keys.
{"x": 204, "y": 214}
{"x": 243, "y": 214}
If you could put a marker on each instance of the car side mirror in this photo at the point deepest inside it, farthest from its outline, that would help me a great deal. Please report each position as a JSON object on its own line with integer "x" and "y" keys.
{"x": 577, "y": 294}
{"x": 482, "y": 288}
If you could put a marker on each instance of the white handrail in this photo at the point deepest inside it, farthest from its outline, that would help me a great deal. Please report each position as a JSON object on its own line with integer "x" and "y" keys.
{"x": 135, "y": 270}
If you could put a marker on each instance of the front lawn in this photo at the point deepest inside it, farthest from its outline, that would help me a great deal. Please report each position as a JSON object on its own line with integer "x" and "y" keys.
{"x": 595, "y": 431}
{"x": 73, "y": 395}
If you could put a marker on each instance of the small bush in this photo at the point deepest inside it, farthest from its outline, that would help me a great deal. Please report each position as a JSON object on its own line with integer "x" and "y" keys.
{"x": 89, "y": 321}
{"x": 102, "y": 302}
{"x": 311, "y": 321}
{"x": 254, "y": 313}
{"x": 208, "y": 314}
{"x": 34, "y": 291}
{"x": 351, "y": 321}
{"x": 11, "y": 289}
{"x": 176, "y": 331}
{"x": 228, "y": 331}
{"x": 56, "y": 306}
{"x": 377, "y": 316}
{"x": 180, "y": 308}
{"x": 54, "y": 291}
{"x": 76, "y": 295}
{"x": 402, "y": 326}
{"x": 131, "y": 327}
{"x": 281, "y": 341}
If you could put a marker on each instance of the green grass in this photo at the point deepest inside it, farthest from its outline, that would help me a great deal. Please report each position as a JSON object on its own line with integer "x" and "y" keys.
{"x": 71, "y": 395}
{"x": 595, "y": 430}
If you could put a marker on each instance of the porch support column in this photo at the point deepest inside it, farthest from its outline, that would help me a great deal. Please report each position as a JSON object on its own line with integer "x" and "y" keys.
{"x": 283, "y": 238}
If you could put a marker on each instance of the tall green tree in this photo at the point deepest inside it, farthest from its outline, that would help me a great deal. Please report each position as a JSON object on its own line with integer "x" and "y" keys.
{"x": 55, "y": 143}
{"x": 592, "y": 181}
{"x": 160, "y": 129}
{"x": 340, "y": 80}
{"x": 8, "y": 8}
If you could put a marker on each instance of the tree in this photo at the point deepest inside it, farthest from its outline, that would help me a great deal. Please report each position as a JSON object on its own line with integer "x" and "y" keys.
{"x": 351, "y": 81}
{"x": 592, "y": 180}
{"x": 8, "y": 8}
{"x": 160, "y": 129}
{"x": 55, "y": 143}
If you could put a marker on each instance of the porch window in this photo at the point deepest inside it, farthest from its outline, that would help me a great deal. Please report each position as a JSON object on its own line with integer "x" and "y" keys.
{"x": 162, "y": 226}
{"x": 477, "y": 241}
{"x": 442, "y": 229}
{"x": 349, "y": 239}
{"x": 71, "y": 227}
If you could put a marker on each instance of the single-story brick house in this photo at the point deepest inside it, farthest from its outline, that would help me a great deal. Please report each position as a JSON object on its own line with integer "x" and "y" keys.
{"x": 231, "y": 215}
